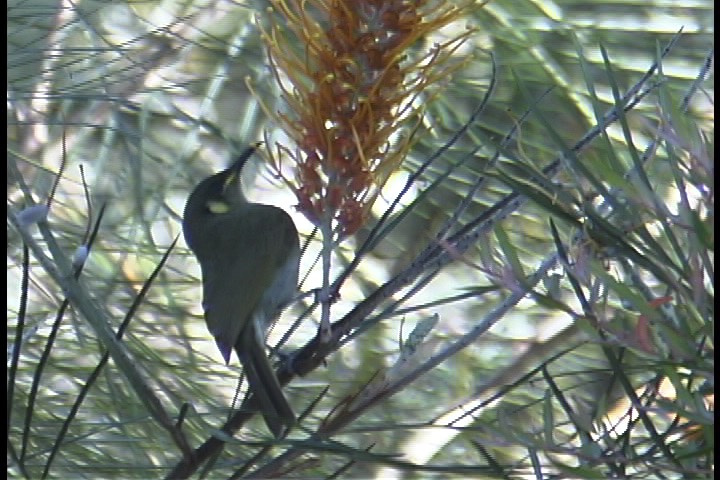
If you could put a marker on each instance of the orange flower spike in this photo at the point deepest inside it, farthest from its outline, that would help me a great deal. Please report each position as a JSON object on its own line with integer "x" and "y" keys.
{"x": 305, "y": 204}
{"x": 310, "y": 179}
{"x": 351, "y": 217}
{"x": 345, "y": 147}
{"x": 334, "y": 197}
{"x": 348, "y": 88}
{"x": 309, "y": 142}
{"x": 359, "y": 182}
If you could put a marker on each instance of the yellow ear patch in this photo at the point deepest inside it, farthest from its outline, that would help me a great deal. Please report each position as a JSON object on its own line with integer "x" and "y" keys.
{"x": 217, "y": 206}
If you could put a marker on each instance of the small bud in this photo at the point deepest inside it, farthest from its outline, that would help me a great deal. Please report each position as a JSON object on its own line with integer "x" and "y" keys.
{"x": 34, "y": 214}
{"x": 81, "y": 254}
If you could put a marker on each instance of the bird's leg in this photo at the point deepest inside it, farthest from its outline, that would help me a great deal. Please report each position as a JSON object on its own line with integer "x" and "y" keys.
{"x": 316, "y": 292}
{"x": 303, "y": 295}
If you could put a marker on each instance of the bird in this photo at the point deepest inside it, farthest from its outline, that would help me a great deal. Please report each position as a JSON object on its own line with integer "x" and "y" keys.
{"x": 249, "y": 255}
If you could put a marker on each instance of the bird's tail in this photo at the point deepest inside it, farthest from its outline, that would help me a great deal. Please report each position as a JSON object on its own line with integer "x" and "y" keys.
{"x": 264, "y": 385}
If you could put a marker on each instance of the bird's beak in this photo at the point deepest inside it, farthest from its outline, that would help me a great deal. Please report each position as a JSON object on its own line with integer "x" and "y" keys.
{"x": 242, "y": 160}
{"x": 233, "y": 172}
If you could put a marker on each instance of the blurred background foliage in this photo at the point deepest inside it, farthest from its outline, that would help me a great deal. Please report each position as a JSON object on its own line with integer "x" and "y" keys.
{"x": 574, "y": 324}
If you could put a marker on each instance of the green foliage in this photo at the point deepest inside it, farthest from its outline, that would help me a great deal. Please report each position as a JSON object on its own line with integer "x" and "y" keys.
{"x": 563, "y": 237}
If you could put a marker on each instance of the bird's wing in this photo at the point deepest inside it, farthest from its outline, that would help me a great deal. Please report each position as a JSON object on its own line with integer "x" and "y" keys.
{"x": 250, "y": 245}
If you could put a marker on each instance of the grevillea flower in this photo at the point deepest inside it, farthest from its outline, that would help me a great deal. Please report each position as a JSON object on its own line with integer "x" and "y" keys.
{"x": 350, "y": 82}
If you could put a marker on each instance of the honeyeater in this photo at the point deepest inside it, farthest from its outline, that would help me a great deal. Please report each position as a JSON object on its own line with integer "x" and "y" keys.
{"x": 249, "y": 254}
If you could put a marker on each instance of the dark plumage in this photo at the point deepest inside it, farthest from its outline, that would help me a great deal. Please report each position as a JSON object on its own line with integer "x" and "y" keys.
{"x": 249, "y": 254}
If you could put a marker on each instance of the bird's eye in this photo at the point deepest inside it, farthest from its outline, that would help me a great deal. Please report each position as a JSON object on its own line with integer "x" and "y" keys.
{"x": 217, "y": 206}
